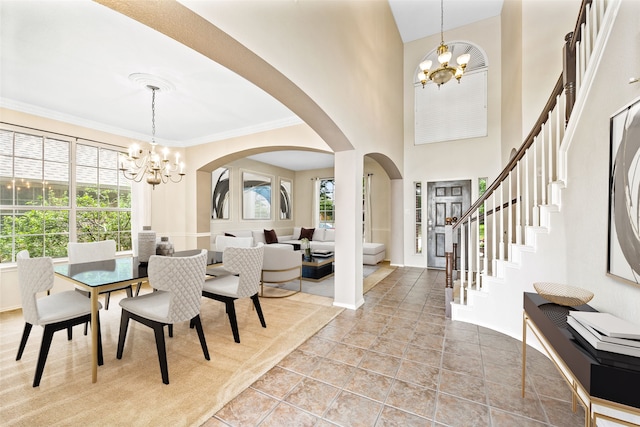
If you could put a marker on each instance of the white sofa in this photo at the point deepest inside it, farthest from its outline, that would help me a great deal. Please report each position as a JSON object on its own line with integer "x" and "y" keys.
{"x": 323, "y": 239}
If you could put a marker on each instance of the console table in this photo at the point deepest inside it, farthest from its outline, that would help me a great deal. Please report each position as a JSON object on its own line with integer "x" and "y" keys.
{"x": 606, "y": 392}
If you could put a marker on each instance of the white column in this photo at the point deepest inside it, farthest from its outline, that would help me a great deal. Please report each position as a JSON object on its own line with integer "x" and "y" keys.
{"x": 348, "y": 169}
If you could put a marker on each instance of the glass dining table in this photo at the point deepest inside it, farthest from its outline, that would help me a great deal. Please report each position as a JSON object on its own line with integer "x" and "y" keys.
{"x": 100, "y": 276}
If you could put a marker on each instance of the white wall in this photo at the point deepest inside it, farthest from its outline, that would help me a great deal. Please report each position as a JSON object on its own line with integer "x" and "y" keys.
{"x": 585, "y": 201}
{"x": 463, "y": 159}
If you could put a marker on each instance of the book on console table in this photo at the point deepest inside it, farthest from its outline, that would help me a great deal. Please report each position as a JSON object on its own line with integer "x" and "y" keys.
{"x": 619, "y": 356}
{"x": 608, "y": 325}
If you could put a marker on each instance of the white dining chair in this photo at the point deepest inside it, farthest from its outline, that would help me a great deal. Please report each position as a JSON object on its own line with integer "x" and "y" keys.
{"x": 54, "y": 312}
{"x": 244, "y": 266}
{"x": 178, "y": 283}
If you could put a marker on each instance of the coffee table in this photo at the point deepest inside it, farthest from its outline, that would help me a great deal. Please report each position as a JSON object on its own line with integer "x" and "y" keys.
{"x": 319, "y": 268}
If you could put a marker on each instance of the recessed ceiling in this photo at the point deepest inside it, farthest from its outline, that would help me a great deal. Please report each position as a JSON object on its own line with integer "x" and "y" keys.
{"x": 71, "y": 61}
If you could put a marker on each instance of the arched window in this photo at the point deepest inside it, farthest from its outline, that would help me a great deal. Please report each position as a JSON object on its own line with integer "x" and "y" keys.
{"x": 453, "y": 110}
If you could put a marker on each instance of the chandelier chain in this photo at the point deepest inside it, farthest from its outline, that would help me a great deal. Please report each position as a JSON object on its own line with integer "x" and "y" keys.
{"x": 153, "y": 115}
{"x": 442, "y": 21}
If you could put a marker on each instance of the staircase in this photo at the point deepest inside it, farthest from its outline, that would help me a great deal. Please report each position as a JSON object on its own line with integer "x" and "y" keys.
{"x": 513, "y": 235}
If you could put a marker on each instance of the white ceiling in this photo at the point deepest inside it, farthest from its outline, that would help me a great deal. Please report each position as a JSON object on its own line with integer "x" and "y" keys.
{"x": 421, "y": 18}
{"x": 71, "y": 61}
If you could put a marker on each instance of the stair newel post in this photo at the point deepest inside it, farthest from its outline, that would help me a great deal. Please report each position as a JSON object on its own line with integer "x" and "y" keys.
{"x": 463, "y": 262}
{"x": 569, "y": 75}
{"x": 448, "y": 253}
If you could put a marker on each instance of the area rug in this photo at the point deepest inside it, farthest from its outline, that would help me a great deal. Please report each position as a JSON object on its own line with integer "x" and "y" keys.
{"x": 130, "y": 391}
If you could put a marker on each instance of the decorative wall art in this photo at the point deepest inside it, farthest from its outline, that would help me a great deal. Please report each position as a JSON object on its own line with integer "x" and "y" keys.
{"x": 286, "y": 205}
{"x": 256, "y": 196}
{"x": 220, "y": 193}
{"x": 624, "y": 195}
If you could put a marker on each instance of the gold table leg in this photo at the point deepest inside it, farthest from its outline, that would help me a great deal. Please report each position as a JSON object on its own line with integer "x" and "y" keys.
{"x": 94, "y": 335}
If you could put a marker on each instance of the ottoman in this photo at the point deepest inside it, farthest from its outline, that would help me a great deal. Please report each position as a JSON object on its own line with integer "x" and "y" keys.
{"x": 372, "y": 253}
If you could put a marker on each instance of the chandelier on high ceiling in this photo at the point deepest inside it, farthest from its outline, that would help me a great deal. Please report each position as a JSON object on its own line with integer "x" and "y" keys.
{"x": 153, "y": 164}
{"x": 444, "y": 72}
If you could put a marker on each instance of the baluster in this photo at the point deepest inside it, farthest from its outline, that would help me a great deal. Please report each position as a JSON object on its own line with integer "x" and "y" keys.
{"x": 578, "y": 67}
{"x": 510, "y": 216}
{"x": 493, "y": 232}
{"x": 527, "y": 197}
{"x": 518, "y": 203}
{"x": 475, "y": 261}
{"x": 473, "y": 246}
{"x": 534, "y": 176}
{"x": 485, "y": 257}
{"x": 586, "y": 34}
{"x": 463, "y": 263}
{"x": 543, "y": 165}
{"x": 550, "y": 156}
{"x": 502, "y": 218}
{"x": 583, "y": 56}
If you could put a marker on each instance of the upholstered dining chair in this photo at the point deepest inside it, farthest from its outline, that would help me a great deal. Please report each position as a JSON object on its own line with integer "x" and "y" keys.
{"x": 178, "y": 283}
{"x": 54, "y": 312}
{"x": 245, "y": 265}
{"x": 95, "y": 251}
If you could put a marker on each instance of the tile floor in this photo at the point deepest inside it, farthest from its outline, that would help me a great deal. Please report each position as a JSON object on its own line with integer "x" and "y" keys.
{"x": 397, "y": 361}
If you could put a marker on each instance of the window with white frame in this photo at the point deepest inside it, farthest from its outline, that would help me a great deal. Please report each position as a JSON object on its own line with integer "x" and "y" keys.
{"x": 326, "y": 203}
{"x": 42, "y": 208}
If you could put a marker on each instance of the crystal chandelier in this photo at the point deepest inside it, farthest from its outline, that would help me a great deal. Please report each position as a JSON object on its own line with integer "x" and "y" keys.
{"x": 153, "y": 164}
{"x": 444, "y": 72}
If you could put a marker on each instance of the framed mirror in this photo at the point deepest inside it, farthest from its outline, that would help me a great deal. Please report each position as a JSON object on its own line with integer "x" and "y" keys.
{"x": 286, "y": 203}
{"x": 256, "y": 196}
{"x": 220, "y": 193}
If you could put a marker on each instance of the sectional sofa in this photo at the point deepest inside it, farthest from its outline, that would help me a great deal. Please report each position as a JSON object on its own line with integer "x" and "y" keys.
{"x": 321, "y": 239}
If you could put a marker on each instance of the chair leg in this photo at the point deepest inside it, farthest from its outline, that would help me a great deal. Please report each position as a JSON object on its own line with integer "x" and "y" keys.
{"x": 47, "y": 337}
{"x": 69, "y": 333}
{"x": 231, "y": 312}
{"x": 124, "y": 324}
{"x": 86, "y": 328}
{"x": 198, "y": 324}
{"x": 162, "y": 351}
{"x": 170, "y": 331}
{"x": 107, "y": 298}
{"x": 129, "y": 291}
{"x": 256, "y": 304}
{"x": 138, "y": 286}
{"x": 100, "y": 355}
{"x": 23, "y": 341}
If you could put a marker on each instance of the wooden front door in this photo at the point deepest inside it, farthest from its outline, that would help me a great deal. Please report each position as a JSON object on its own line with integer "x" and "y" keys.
{"x": 444, "y": 199}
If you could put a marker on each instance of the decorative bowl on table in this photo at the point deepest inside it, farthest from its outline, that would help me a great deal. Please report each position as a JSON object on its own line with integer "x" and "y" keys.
{"x": 563, "y": 294}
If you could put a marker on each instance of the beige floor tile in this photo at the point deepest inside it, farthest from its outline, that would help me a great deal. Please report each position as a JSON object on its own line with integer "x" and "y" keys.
{"x": 312, "y": 396}
{"x": 456, "y": 412}
{"x": 287, "y": 415}
{"x": 369, "y": 384}
{"x": 351, "y": 410}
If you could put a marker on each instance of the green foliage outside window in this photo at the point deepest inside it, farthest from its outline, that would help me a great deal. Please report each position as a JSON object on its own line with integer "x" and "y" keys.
{"x": 45, "y": 232}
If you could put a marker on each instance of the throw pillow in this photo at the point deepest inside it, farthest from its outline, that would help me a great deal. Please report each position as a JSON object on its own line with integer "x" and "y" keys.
{"x": 229, "y": 235}
{"x": 270, "y": 236}
{"x": 306, "y": 233}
